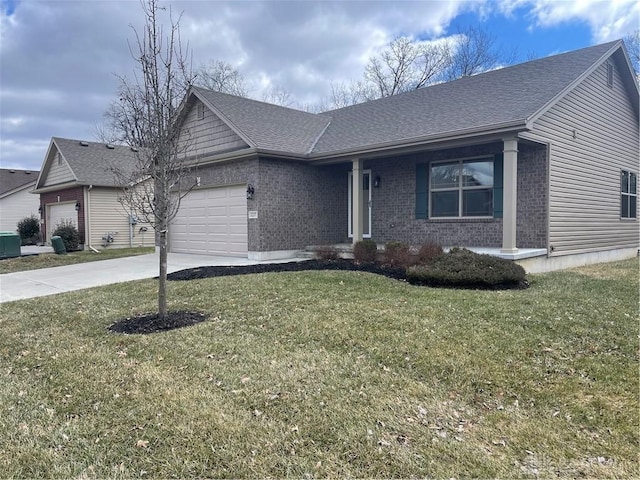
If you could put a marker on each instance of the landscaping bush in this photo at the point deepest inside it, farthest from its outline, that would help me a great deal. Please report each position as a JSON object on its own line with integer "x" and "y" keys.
{"x": 428, "y": 253}
{"x": 397, "y": 254}
{"x": 69, "y": 234}
{"x": 463, "y": 268}
{"x": 327, "y": 252}
{"x": 365, "y": 251}
{"x": 29, "y": 230}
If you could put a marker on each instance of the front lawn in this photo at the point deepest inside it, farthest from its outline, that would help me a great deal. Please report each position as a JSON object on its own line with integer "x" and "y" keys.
{"x": 327, "y": 374}
{"x": 46, "y": 260}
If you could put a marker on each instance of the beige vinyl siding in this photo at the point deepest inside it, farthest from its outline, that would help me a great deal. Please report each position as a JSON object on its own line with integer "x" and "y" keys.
{"x": 59, "y": 172}
{"x": 584, "y": 184}
{"x": 208, "y": 135}
{"x": 108, "y": 215}
{"x": 17, "y": 206}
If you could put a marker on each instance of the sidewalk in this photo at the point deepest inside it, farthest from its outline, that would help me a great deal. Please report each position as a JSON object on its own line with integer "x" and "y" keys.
{"x": 49, "y": 281}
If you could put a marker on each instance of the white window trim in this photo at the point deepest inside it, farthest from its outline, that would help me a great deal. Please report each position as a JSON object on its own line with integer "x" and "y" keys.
{"x": 460, "y": 188}
{"x": 628, "y": 194}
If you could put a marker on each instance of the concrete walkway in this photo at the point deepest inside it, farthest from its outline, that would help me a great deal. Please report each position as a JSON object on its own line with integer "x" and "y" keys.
{"x": 49, "y": 281}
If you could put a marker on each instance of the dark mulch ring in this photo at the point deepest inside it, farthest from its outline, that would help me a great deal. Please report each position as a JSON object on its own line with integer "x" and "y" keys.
{"x": 397, "y": 273}
{"x": 151, "y": 322}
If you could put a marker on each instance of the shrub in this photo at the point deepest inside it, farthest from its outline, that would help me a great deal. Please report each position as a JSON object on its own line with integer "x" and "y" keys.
{"x": 463, "y": 268}
{"x": 397, "y": 254}
{"x": 365, "y": 251}
{"x": 29, "y": 230}
{"x": 69, "y": 234}
{"x": 428, "y": 253}
{"x": 327, "y": 252}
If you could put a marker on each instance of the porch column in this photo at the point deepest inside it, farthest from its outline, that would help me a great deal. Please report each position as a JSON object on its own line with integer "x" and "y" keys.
{"x": 510, "y": 198}
{"x": 357, "y": 200}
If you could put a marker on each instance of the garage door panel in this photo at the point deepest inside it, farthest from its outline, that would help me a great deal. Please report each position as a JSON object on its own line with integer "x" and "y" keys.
{"x": 212, "y": 221}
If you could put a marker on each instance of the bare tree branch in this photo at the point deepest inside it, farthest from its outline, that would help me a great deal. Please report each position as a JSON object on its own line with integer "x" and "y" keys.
{"x": 278, "y": 95}
{"x": 632, "y": 42}
{"x": 221, "y": 77}
{"x": 475, "y": 52}
{"x": 406, "y": 65}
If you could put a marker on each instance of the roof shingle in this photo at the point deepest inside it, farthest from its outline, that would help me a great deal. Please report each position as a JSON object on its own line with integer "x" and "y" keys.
{"x": 94, "y": 163}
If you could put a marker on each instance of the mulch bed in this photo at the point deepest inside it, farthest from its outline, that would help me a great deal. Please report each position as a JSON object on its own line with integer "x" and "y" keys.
{"x": 151, "y": 322}
{"x": 207, "y": 272}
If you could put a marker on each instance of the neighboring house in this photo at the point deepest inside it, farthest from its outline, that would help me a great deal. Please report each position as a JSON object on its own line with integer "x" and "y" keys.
{"x": 16, "y": 202}
{"x": 537, "y": 160}
{"x": 77, "y": 184}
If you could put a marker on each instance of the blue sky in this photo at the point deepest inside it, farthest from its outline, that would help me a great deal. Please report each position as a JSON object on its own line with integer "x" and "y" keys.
{"x": 58, "y": 59}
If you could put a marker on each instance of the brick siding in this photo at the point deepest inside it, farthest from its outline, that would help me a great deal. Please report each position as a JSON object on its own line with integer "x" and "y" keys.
{"x": 393, "y": 203}
{"x": 75, "y": 194}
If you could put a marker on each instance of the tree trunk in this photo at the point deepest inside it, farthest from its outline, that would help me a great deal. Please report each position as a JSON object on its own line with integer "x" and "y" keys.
{"x": 162, "y": 278}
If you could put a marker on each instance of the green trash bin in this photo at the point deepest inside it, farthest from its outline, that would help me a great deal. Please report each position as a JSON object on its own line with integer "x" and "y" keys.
{"x": 9, "y": 245}
{"x": 58, "y": 245}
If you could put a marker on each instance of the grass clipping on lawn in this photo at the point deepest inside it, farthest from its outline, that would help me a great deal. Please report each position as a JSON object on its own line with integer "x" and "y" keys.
{"x": 327, "y": 374}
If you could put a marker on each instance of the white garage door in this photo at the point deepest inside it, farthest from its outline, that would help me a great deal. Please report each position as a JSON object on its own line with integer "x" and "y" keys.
{"x": 212, "y": 221}
{"x": 58, "y": 213}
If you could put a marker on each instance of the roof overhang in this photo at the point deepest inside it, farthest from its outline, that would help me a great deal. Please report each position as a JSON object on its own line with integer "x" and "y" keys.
{"x": 444, "y": 140}
{"x": 19, "y": 189}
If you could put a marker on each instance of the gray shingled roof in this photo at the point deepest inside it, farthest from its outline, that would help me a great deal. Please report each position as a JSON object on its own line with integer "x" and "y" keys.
{"x": 506, "y": 97}
{"x": 267, "y": 126}
{"x": 12, "y": 179}
{"x": 92, "y": 164}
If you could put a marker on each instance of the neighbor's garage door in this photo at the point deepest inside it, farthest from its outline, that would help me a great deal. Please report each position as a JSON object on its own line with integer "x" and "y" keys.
{"x": 58, "y": 213}
{"x": 212, "y": 221}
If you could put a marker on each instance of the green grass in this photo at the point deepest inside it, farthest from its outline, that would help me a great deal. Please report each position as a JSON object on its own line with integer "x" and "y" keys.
{"x": 46, "y": 260}
{"x": 327, "y": 374}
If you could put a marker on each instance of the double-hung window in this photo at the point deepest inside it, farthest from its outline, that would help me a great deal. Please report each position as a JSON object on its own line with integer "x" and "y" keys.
{"x": 462, "y": 188}
{"x": 628, "y": 194}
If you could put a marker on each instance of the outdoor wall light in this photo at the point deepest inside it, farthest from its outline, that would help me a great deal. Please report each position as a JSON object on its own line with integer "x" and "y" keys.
{"x": 376, "y": 181}
{"x": 40, "y": 209}
{"x": 250, "y": 191}
{"x": 78, "y": 206}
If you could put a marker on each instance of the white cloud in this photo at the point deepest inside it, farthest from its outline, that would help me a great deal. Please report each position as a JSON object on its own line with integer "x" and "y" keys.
{"x": 607, "y": 19}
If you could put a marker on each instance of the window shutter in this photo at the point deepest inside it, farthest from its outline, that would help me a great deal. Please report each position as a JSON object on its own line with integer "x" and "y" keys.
{"x": 422, "y": 190}
{"x": 498, "y": 185}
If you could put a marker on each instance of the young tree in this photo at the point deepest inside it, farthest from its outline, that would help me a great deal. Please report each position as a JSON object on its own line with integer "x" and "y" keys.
{"x": 146, "y": 117}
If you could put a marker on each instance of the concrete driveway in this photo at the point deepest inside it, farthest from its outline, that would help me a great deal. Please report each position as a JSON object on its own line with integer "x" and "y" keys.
{"x": 49, "y": 281}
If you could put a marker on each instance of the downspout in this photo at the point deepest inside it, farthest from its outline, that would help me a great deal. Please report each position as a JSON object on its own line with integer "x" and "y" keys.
{"x": 87, "y": 218}
{"x": 130, "y": 231}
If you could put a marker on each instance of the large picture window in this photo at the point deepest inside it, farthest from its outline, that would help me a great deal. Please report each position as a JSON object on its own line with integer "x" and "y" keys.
{"x": 628, "y": 194}
{"x": 462, "y": 188}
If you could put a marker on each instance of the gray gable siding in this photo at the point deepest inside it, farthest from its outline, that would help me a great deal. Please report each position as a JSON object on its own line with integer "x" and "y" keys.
{"x": 209, "y": 134}
{"x": 59, "y": 171}
{"x": 584, "y": 184}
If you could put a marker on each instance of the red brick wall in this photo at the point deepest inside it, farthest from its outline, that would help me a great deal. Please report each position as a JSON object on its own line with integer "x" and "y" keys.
{"x": 60, "y": 196}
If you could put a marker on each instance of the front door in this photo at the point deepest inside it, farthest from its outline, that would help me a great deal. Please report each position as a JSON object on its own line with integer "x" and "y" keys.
{"x": 366, "y": 204}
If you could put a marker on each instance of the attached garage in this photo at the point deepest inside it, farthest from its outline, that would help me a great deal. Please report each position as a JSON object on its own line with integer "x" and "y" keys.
{"x": 58, "y": 213}
{"x": 212, "y": 221}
